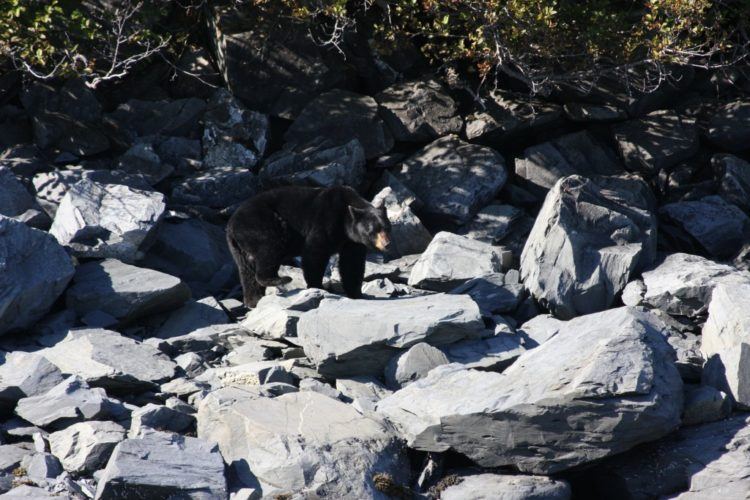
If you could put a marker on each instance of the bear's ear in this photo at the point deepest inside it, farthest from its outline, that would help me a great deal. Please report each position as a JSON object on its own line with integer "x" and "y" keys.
{"x": 356, "y": 213}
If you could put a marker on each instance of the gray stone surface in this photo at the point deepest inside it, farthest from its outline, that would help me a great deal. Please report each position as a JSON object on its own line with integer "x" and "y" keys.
{"x": 341, "y": 116}
{"x": 141, "y": 159}
{"x": 734, "y": 180}
{"x": 70, "y": 401}
{"x": 453, "y": 178}
{"x": 659, "y": 140}
{"x": 24, "y": 374}
{"x": 450, "y": 260}
{"x": 588, "y": 392}
{"x": 494, "y": 353}
{"x": 303, "y": 443}
{"x": 506, "y": 116}
{"x": 34, "y": 271}
{"x": 276, "y": 316}
{"x": 43, "y": 466}
{"x": 15, "y": 199}
{"x": 492, "y": 293}
{"x": 729, "y": 128}
{"x": 362, "y": 391}
{"x": 104, "y": 358}
{"x": 413, "y": 364}
{"x": 704, "y": 403}
{"x": 86, "y": 446}
{"x": 590, "y": 237}
{"x": 125, "y": 292}
{"x": 492, "y": 223}
{"x": 140, "y": 117}
{"x": 358, "y": 337}
{"x": 586, "y": 113}
{"x": 419, "y": 111}
{"x": 217, "y": 188}
{"x": 166, "y": 466}
{"x": 250, "y": 375}
{"x": 107, "y": 220}
{"x": 577, "y": 153}
{"x": 408, "y": 234}
{"x": 158, "y": 418}
{"x": 194, "y": 315}
{"x": 682, "y": 284}
{"x": 506, "y": 487}
{"x": 719, "y": 227}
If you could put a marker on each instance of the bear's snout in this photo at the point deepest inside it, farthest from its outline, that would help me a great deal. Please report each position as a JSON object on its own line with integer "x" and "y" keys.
{"x": 382, "y": 240}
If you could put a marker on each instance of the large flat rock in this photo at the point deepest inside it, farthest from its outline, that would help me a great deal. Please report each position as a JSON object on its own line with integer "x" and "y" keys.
{"x": 358, "y": 337}
{"x": 86, "y": 446}
{"x": 25, "y": 374}
{"x": 603, "y": 384}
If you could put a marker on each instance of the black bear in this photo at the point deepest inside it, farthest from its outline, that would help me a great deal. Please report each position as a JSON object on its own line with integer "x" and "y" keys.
{"x": 314, "y": 223}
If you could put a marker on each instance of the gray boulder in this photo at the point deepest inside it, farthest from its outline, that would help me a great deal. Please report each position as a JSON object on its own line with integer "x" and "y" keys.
{"x": 546, "y": 413}
{"x": 419, "y": 111}
{"x": 363, "y": 392}
{"x": 217, "y": 188}
{"x": 62, "y": 131}
{"x": 303, "y": 443}
{"x": 358, "y": 337}
{"x": 582, "y": 112}
{"x": 450, "y": 260}
{"x": 492, "y": 223}
{"x": 107, "y": 220}
{"x": 164, "y": 465}
{"x": 104, "y": 358}
{"x": 725, "y": 342}
{"x": 492, "y": 293}
{"x": 35, "y": 271}
{"x": 158, "y": 418}
{"x": 16, "y": 201}
{"x": 123, "y": 291}
{"x": 729, "y": 128}
{"x": 70, "y": 401}
{"x": 276, "y": 316}
{"x": 734, "y": 183}
{"x": 506, "y": 487}
{"x": 505, "y": 117}
{"x": 453, "y": 178}
{"x": 413, "y": 364}
{"x": 194, "y": 315}
{"x": 85, "y": 447}
{"x": 589, "y": 238}
{"x": 493, "y": 353}
{"x": 141, "y": 159}
{"x": 719, "y": 227}
{"x": 24, "y": 374}
{"x": 657, "y": 141}
{"x": 408, "y": 235}
{"x": 704, "y": 403}
{"x": 578, "y": 153}
{"x": 682, "y": 284}
{"x": 42, "y": 467}
{"x": 139, "y": 118}
{"x": 340, "y": 115}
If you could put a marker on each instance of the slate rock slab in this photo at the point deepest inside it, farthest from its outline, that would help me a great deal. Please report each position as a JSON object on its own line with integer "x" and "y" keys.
{"x": 24, "y": 374}
{"x": 86, "y": 446}
{"x": 734, "y": 184}
{"x": 506, "y": 487}
{"x": 729, "y": 128}
{"x": 217, "y": 188}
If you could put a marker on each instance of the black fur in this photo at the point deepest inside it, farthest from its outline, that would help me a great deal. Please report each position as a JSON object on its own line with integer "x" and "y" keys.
{"x": 314, "y": 223}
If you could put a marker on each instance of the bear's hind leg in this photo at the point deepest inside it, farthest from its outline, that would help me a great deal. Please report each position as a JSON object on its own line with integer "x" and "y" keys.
{"x": 267, "y": 264}
{"x": 252, "y": 290}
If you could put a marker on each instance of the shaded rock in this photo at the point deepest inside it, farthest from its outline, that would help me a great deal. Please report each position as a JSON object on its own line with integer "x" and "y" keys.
{"x": 163, "y": 465}
{"x": 492, "y": 294}
{"x": 358, "y": 337}
{"x": 34, "y": 271}
{"x": 729, "y": 128}
{"x": 73, "y": 98}
{"x": 589, "y": 238}
{"x": 582, "y": 112}
{"x": 43, "y": 466}
{"x": 232, "y": 135}
{"x": 413, "y": 364}
{"x": 198, "y": 340}
{"x": 507, "y": 116}
{"x": 546, "y": 412}
{"x": 725, "y": 342}
{"x": 657, "y": 141}
{"x": 408, "y": 235}
{"x": 363, "y": 392}
{"x": 15, "y": 200}
{"x": 104, "y": 358}
{"x": 492, "y": 223}
{"x": 158, "y": 418}
{"x": 450, "y": 260}
{"x": 453, "y": 178}
{"x": 310, "y": 384}
{"x": 301, "y": 443}
{"x": 734, "y": 183}
{"x": 180, "y": 152}
{"x": 507, "y": 487}
{"x": 578, "y": 153}
{"x": 61, "y": 131}
{"x": 720, "y": 228}
{"x": 123, "y": 291}
{"x": 682, "y": 284}
{"x": 24, "y": 374}
{"x": 704, "y": 403}
{"x": 86, "y": 446}
{"x": 419, "y": 111}
{"x": 492, "y": 354}
{"x": 194, "y": 315}
{"x": 318, "y": 162}
{"x": 107, "y": 220}
{"x": 340, "y": 116}
{"x": 139, "y": 118}
{"x": 217, "y": 188}
{"x": 142, "y": 159}
{"x": 68, "y": 402}
{"x": 24, "y": 160}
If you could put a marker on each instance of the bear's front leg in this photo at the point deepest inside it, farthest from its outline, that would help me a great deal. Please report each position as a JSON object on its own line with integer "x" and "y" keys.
{"x": 314, "y": 263}
{"x": 352, "y": 268}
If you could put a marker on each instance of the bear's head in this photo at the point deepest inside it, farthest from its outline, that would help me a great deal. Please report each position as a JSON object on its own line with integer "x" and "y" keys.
{"x": 369, "y": 226}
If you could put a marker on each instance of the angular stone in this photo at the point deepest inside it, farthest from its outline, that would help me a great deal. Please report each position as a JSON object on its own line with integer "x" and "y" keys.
{"x": 589, "y": 238}
{"x": 408, "y": 235}
{"x": 61, "y": 131}
{"x": 125, "y": 292}
{"x": 107, "y": 220}
{"x": 734, "y": 184}
{"x": 276, "y": 316}
{"x": 491, "y": 354}
{"x": 248, "y": 374}
{"x": 492, "y": 223}
{"x": 193, "y": 316}
{"x": 507, "y": 116}
{"x": 419, "y": 111}
{"x": 453, "y": 178}
{"x": 139, "y": 118}
{"x": 578, "y": 153}
{"x": 104, "y": 358}
{"x": 719, "y": 227}
{"x": 163, "y": 465}
{"x": 15, "y": 199}
{"x": 158, "y": 418}
{"x": 301, "y": 443}
{"x": 492, "y": 294}
{"x": 587, "y": 113}
{"x": 358, "y": 337}
{"x": 85, "y": 447}
{"x": 68, "y": 402}
{"x": 704, "y": 403}
{"x": 141, "y": 159}
{"x": 34, "y": 271}
{"x": 200, "y": 340}
{"x": 451, "y": 259}
{"x": 363, "y": 392}
{"x": 729, "y": 127}
{"x": 340, "y": 115}
{"x": 11, "y": 456}
{"x": 413, "y": 364}
{"x": 22, "y": 375}
{"x": 586, "y": 393}
{"x": 506, "y": 487}
{"x": 218, "y": 188}
{"x": 657, "y": 141}
{"x": 43, "y": 466}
